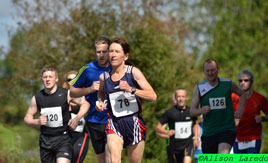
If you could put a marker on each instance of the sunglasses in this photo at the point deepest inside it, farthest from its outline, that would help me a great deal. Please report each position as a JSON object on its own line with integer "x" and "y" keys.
{"x": 68, "y": 80}
{"x": 245, "y": 80}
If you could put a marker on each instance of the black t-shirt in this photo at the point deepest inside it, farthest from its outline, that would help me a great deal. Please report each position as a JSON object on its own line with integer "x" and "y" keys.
{"x": 56, "y": 107}
{"x": 174, "y": 116}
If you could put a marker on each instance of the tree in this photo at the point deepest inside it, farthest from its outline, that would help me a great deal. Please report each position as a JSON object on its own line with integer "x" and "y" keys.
{"x": 235, "y": 34}
{"x": 240, "y": 40}
{"x": 62, "y": 34}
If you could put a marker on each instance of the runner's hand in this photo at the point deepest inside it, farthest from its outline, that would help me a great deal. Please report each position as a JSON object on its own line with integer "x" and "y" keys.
{"x": 258, "y": 118}
{"x": 100, "y": 106}
{"x": 196, "y": 143}
{"x": 123, "y": 85}
{"x": 73, "y": 123}
{"x": 95, "y": 86}
{"x": 237, "y": 121}
{"x": 238, "y": 114}
{"x": 205, "y": 109}
{"x": 171, "y": 133}
{"x": 42, "y": 120}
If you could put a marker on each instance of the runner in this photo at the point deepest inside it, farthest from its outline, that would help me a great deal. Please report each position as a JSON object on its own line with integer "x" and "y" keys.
{"x": 86, "y": 83}
{"x": 80, "y": 138}
{"x": 249, "y": 128}
{"x": 52, "y": 103}
{"x": 199, "y": 131}
{"x": 181, "y": 125}
{"x": 214, "y": 95}
{"x": 124, "y": 86}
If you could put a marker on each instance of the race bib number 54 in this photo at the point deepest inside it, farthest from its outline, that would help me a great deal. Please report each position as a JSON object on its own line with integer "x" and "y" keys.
{"x": 183, "y": 130}
{"x": 123, "y": 103}
{"x": 217, "y": 103}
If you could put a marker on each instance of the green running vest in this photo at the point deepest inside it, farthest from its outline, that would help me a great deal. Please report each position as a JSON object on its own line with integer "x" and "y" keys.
{"x": 221, "y": 116}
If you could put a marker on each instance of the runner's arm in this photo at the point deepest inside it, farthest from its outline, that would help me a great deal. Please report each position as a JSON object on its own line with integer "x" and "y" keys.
{"x": 196, "y": 137}
{"x": 100, "y": 106}
{"x": 162, "y": 132}
{"x": 194, "y": 111}
{"x": 264, "y": 105}
{"x": 242, "y": 99}
{"x": 29, "y": 119}
{"x": 101, "y": 93}
{"x": 196, "y": 129}
{"x": 84, "y": 106}
{"x": 146, "y": 91}
{"x": 160, "y": 135}
{"x": 79, "y": 92}
{"x": 264, "y": 108}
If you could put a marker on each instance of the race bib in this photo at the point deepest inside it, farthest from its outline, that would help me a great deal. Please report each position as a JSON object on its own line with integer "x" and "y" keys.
{"x": 246, "y": 144}
{"x": 217, "y": 103}
{"x": 81, "y": 123}
{"x": 54, "y": 116}
{"x": 123, "y": 103}
{"x": 183, "y": 130}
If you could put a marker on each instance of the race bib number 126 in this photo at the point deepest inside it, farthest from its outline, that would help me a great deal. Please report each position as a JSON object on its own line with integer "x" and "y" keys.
{"x": 217, "y": 103}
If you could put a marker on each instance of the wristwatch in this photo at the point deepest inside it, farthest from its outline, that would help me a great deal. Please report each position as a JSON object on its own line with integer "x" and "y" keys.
{"x": 133, "y": 90}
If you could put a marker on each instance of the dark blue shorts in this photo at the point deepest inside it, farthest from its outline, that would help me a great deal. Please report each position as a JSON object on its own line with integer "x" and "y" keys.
{"x": 255, "y": 149}
{"x": 131, "y": 129}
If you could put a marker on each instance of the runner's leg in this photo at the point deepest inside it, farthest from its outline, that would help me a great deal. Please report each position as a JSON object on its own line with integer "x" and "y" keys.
{"x": 115, "y": 145}
{"x": 135, "y": 152}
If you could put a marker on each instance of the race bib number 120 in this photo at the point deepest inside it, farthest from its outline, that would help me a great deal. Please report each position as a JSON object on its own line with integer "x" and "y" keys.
{"x": 54, "y": 116}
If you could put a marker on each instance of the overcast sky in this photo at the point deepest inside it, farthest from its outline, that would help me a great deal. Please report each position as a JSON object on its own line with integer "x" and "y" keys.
{"x": 7, "y": 23}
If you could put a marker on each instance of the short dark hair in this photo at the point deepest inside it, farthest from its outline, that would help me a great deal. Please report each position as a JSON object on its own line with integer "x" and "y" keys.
{"x": 48, "y": 68}
{"x": 102, "y": 40}
{"x": 174, "y": 94}
{"x": 210, "y": 61}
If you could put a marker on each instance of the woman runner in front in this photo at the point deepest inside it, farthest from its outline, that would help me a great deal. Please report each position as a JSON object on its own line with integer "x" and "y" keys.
{"x": 124, "y": 86}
